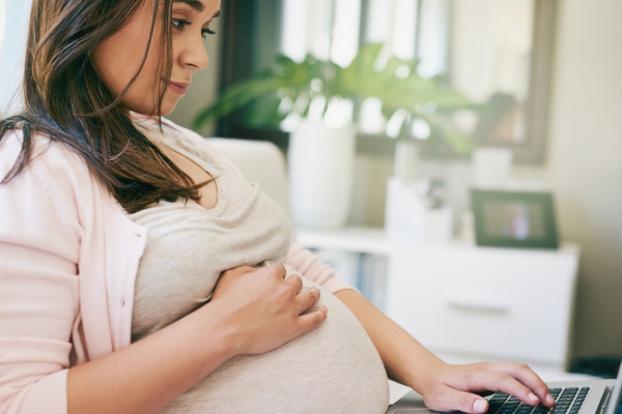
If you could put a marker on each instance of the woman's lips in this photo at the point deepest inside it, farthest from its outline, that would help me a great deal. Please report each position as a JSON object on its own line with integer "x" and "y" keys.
{"x": 180, "y": 88}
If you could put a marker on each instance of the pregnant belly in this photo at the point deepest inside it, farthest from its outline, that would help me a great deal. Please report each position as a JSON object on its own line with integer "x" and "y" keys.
{"x": 332, "y": 369}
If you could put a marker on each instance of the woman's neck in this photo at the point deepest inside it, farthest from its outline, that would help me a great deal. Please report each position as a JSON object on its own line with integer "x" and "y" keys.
{"x": 142, "y": 117}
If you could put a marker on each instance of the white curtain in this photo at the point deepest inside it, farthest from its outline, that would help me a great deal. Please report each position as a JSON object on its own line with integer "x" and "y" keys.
{"x": 14, "y": 16}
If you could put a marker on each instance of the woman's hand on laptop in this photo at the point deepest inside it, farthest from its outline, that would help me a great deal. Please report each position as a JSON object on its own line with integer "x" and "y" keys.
{"x": 454, "y": 387}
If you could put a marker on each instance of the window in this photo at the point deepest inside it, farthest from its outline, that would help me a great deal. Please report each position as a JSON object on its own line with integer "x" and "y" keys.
{"x": 497, "y": 53}
{"x": 335, "y": 28}
{"x": 2, "y": 21}
{"x": 2, "y": 34}
{"x": 14, "y": 17}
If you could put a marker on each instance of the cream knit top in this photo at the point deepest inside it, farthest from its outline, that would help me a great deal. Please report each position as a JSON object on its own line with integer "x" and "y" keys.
{"x": 332, "y": 369}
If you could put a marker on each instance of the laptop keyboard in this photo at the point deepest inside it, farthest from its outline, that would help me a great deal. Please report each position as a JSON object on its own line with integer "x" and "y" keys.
{"x": 568, "y": 401}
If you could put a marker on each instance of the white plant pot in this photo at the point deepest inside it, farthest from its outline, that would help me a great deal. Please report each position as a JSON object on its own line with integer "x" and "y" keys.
{"x": 491, "y": 167}
{"x": 321, "y": 170}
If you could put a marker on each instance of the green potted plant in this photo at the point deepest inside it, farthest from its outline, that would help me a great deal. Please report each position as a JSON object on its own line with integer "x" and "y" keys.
{"x": 297, "y": 96}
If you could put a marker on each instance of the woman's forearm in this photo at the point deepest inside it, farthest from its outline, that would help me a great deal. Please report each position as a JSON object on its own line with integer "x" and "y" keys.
{"x": 405, "y": 359}
{"x": 148, "y": 374}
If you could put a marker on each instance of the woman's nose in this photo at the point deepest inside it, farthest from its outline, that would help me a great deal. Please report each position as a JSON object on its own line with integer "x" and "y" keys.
{"x": 195, "y": 55}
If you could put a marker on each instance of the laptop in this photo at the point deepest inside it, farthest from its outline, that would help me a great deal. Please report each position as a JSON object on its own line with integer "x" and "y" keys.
{"x": 578, "y": 397}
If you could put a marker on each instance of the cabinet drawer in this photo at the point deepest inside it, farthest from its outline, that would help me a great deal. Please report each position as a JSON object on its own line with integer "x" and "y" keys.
{"x": 488, "y": 302}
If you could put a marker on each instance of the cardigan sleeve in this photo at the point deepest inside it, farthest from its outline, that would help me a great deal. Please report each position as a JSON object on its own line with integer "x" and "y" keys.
{"x": 39, "y": 290}
{"x": 309, "y": 265}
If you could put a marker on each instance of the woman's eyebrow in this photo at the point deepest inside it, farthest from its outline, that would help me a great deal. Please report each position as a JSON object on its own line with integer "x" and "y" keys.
{"x": 195, "y": 4}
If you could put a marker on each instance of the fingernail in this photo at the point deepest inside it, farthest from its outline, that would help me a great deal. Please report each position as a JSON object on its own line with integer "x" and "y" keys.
{"x": 479, "y": 406}
{"x": 550, "y": 399}
{"x": 532, "y": 397}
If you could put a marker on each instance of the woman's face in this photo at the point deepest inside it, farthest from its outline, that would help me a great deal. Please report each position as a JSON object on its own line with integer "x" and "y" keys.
{"x": 118, "y": 57}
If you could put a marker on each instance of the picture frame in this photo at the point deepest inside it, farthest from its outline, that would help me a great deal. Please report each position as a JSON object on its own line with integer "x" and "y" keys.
{"x": 522, "y": 219}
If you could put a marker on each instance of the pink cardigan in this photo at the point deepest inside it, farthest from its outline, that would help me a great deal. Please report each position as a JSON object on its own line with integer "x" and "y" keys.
{"x": 69, "y": 256}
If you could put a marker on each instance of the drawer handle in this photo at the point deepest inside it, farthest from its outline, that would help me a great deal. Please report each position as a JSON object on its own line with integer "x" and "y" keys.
{"x": 478, "y": 306}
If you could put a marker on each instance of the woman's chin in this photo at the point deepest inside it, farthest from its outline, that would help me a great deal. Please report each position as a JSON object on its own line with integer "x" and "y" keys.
{"x": 166, "y": 109}
{"x": 168, "y": 105}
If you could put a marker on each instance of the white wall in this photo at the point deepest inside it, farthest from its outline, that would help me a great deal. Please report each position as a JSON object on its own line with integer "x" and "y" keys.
{"x": 585, "y": 165}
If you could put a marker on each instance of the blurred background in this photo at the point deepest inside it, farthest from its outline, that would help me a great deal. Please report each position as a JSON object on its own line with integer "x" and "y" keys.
{"x": 459, "y": 161}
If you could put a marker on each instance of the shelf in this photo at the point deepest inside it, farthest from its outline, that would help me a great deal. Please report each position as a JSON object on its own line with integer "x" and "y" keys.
{"x": 352, "y": 239}
{"x": 373, "y": 240}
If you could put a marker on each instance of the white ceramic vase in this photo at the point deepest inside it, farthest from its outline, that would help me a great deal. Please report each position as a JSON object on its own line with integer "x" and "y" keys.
{"x": 321, "y": 171}
{"x": 491, "y": 167}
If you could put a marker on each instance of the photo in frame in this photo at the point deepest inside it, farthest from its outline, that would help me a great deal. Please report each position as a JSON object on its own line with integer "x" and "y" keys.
{"x": 522, "y": 219}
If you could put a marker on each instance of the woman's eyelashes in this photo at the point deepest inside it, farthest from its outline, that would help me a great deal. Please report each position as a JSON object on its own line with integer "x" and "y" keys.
{"x": 180, "y": 24}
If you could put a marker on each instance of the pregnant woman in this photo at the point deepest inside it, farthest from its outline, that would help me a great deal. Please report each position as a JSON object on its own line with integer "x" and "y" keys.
{"x": 141, "y": 273}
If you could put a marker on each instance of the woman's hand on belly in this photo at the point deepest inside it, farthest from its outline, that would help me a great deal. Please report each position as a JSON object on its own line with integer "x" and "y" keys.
{"x": 262, "y": 310}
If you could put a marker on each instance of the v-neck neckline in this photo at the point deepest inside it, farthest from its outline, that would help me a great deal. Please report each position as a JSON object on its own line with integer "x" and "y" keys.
{"x": 210, "y": 168}
{"x": 214, "y": 177}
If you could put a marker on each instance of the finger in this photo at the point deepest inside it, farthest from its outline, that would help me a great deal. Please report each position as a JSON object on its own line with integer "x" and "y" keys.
{"x": 449, "y": 399}
{"x": 491, "y": 380}
{"x": 277, "y": 270}
{"x": 236, "y": 271}
{"x": 311, "y": 320}
{"x": 528, "y": 377}
{"x": 306, "y": 299}
{"x": 295, "y": 281}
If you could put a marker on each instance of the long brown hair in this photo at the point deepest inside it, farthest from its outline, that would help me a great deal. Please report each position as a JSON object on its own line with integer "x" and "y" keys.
{"x": 66, "y": 99}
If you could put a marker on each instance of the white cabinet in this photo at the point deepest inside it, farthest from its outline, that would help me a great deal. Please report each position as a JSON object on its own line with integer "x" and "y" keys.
{"x": 474, "y": 303}
{"x": 484, "y": 302}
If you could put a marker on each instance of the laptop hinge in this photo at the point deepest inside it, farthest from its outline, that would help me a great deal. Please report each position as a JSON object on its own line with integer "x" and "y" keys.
{"x": 604, "y": 400}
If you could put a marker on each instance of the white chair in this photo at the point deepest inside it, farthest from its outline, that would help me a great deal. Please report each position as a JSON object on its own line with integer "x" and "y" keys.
{"x": 259, "y": 161}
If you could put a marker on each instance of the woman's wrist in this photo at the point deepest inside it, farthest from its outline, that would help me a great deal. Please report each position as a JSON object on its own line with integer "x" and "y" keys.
{"x": 214, "y": 328}
{"x": 422, "y": 376}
